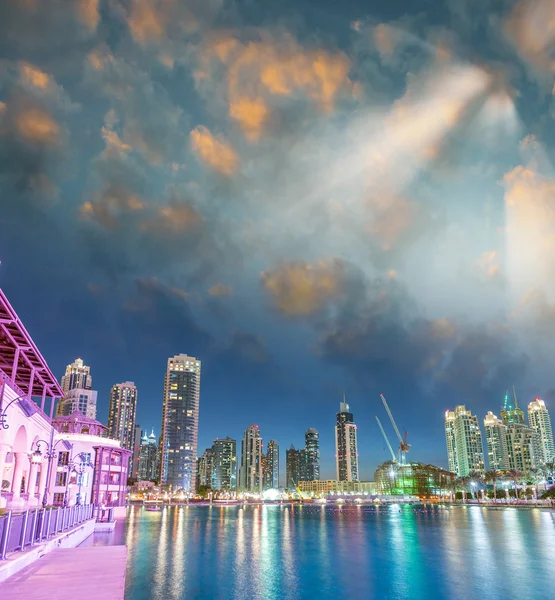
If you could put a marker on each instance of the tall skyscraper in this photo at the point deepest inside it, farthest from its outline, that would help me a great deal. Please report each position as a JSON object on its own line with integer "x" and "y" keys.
{"x": 523, "y": 443}
{"x": 122, "y": 414}
{"x": 496, "y": 442}
{"x": 346, "y": 452}
{"x": 78, "y": 399}
{"x": 134, "y": 471}
{"x": 225, "y": 464}
{"x": 312, "y": 450}
{"x": 464, "y": 442}
{"x": 205, "y": 469}
{"x": 250, "y": 473}
{"x": 539, "y": 419}
{"x": 148, "y": 458}
{"x": 180, "y": 411}
{"x": 77, "y": 375}
{"x": 271, "y": 471}
{"x": 294, "y": 460}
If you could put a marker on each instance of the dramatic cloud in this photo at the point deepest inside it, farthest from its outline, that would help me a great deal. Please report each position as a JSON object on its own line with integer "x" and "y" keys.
{"x": 300, "y": 288}
{"x": 258, "y": 73}
{"x": 215, "y": 152}
{"x": 220, "y": 289}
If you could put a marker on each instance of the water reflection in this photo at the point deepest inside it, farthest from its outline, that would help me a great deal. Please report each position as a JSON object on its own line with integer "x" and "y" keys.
{"x": 298, "y": 553}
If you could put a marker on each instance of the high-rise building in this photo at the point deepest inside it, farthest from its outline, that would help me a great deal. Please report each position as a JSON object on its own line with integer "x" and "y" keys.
{"x": 496, "y": 442}
{"x": 134, "y": 471}
{"x": 539, "y": 419}
{"x": 122, "y": 414}
{"x": 180, "y": 412}
{"x": 312, "y": 450}
{"x": 225, "y": 464}
{"x": 78, "y": 399}
{"x": 346, "y": 453}
{"x": 148, "y": 458}
{"x": 294, "y": 460}
{"x": 523, "y": 443}
{"x": 205, "y": 469}
{"x": 250, "y": 473}
{"x": 77, "y": 375}
{"x": 271, "y": 470}
{"x": 464, "y": 442}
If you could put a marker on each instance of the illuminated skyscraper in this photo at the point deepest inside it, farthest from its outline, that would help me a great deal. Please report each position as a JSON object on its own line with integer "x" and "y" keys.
{"x": 496, "y": 442}
{"x": 205, "y": 469}
{"x": 464, "y": 442}
{"x": 148, "y": 458}
{"x": 539, "y": 419}
{"x": 312, "y": 458}
{"x": 78, "y": 399}
{"x": 180, "y": 411}
{"x": 250, "y": 473}
{"x": 225, "y": 464}
{"x": 271, "y": 466}
{"x": 122, "y": 413}
{"x": 346, "y": 453}
{"x": 294, "y": 460}
{"x": 523, "y": 443}
{"x": 77, "y": 375}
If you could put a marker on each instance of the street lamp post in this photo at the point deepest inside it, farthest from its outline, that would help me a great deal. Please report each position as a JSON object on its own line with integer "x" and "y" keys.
{"x": 49, "y": 454}
{"x": 77, "y": 467}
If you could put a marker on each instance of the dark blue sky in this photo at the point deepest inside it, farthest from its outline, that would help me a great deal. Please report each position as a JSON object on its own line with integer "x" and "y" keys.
{"x": 314, "y": 198}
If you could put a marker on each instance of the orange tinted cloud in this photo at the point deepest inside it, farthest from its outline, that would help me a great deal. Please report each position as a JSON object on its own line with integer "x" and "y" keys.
{"x": 150, "y": 20}
{"x": 258, "y": 70}
{"x": 37, "y": 125}
{"x": 392, "y": 216}
{"x": 108, "y": 206}
{"x": 32, "y": 76}
{"x": 220, "y": 289}
{"x": 300, "y": 288}
{"x": 173, "y": 219}
{"x": 114, "y": 145}
{"x": 385, "y": 39}
{"x": 216, "y": 153}
{"x": 531, "y": 28}
{"x": 87, "y": 11}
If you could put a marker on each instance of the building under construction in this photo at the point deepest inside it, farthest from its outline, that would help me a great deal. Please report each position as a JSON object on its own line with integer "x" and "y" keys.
{"x": 397, "y": 477}
{"x": 412, "y": 479}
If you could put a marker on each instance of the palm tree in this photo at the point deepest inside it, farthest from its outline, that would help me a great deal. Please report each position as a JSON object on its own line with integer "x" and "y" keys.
{"x": 492, "y": 477}
{"x": 515, "y": 475}
{"x": 550, "y": 470}
{"x": 476, "y": 479}
{"x": 463, "y": 484}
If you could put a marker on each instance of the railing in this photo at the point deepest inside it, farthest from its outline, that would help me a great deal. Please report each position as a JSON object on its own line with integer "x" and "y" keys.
{"x": 104, "y": 515}
{"x": 20, "y": 530}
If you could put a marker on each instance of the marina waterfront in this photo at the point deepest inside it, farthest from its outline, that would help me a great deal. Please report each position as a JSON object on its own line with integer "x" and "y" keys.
{"x": 302, "y": 552}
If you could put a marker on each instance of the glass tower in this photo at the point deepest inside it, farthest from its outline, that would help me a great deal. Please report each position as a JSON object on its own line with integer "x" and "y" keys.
{"x": 225, "y": 464}
{"x": 312, "y": 450}
{"x": 180, "y": 411}
{"x": 122, "y": 413}
{"x": 464, "y": 442}
{"x": 346, "y": 453}
{"x": 539, "y": 419}
{"x": 77, "y": 375}
{"x": 496, "y": 442}
{"x": 250, "y": 473}
{"x": 271, "y": 472}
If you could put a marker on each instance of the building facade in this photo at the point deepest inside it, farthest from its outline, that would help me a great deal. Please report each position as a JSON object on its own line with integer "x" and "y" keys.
{"x": 413, "y": 479}
{"x": 81, "y": 399}
{"x": 332, "y": 486}
{"x": 205, "y": 469}
{"x": 540, "y": 421}
{"x": 250, "y": 472}
{"x": 312, "y": 451}
{"x": 294, "y": 467}
{"x": 122, "y": 414}
{"x": 271, "y": 466}
{"x": 136, "y": 456}
{"x": 496, "y": 442}
{"x": 77, "y": 375}
{"x": 148, "y": 459}
{"x": 464, "y": 442}
{"x": 346, "y": 451}
{"x": 180, "y": 413}
{"x": 225, "y": 464}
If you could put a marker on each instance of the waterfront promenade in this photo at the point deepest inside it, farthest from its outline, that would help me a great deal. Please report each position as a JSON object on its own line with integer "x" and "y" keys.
{"x": 69, "y": 573}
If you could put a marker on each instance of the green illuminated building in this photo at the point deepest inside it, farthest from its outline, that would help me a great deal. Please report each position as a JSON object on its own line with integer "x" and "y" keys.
{"x": 412, "y": 479}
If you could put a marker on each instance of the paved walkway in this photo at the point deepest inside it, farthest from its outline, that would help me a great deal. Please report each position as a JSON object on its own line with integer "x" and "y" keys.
{"x": 96, "y": 573}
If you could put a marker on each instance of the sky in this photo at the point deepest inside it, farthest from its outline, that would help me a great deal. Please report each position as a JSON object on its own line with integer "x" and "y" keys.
{"x": 313, "y": 198}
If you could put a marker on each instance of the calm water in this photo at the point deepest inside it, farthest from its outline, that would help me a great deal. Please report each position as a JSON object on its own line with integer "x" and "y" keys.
{"x": 275, "y": 552}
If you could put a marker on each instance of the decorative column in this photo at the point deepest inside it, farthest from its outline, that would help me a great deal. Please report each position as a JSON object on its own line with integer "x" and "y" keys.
{"x": 42, "y": 478}
{"x": 32, "y": 480}
{"x": 21, "y": 461}
{"x": 4, "y": 449}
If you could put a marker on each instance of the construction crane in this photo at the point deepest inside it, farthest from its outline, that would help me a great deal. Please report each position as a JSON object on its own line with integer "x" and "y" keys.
{"x": 404, "y": 447}
{"x": 386, "y": 440}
